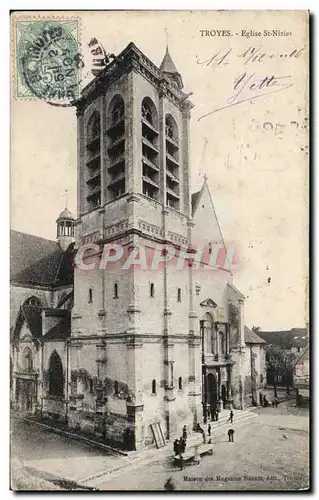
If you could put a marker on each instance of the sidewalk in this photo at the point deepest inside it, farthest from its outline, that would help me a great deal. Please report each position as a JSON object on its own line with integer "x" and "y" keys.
{"x": 114, "y": 460}
{"x": 61, "y": 428}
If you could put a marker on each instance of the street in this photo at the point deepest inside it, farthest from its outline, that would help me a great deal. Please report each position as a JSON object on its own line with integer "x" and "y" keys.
{"x": 270, "y": 452}
{"x": 51, "y": 456}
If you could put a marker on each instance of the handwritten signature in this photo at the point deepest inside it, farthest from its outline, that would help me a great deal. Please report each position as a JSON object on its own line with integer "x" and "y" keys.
{"x": 248, "y": 87}
{"x": 248, "y": 56}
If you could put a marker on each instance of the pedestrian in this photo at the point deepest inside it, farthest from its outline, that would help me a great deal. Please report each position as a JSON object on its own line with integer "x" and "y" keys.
{"x": 176, "y": 447}
{"x": 209, "y": 430}
{"x": 216, "y": 415}
{"x": 182, "y": 445}
{"x": 260, "y": 399}
{"x": 204, "y": 438}
{"x": 169, "y": 485}
{"x": 184, "y": 434}
{"x": 231, "y": 433}
{"x": 231, "y": 417}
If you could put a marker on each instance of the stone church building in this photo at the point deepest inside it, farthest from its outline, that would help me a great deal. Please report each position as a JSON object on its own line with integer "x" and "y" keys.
{"x": 130, "y": 348}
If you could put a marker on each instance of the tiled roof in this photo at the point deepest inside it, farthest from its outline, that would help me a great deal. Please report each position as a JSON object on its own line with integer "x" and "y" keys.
{"x": 252, "y": 337}
{"x": 296, "y": 337}
{"x": 61, "y": 330}
{"x": 35, "y": 260}
{"x": 167, "y": 65}
{"x": 33, "y": 318}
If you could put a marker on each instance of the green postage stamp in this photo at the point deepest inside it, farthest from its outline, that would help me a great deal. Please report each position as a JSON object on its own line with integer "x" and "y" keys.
{"x": 47, "y": 60}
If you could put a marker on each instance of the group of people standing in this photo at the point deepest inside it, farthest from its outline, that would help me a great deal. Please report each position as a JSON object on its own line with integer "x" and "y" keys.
{"x": 213, "y": 414}
{"x": 180, "y": 444}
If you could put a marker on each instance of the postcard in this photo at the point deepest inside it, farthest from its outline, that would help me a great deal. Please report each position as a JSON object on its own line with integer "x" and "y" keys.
{"x": 159, "y": 326}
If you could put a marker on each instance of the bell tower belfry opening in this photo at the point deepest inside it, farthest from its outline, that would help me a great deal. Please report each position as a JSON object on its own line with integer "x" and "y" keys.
{"x": 134, "y": 188}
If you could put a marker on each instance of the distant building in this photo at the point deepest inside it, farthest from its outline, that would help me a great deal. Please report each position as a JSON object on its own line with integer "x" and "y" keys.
{"x": 292, "y": 341}
{"x": 301, "y": 377}
{"x": 255, "y": 366}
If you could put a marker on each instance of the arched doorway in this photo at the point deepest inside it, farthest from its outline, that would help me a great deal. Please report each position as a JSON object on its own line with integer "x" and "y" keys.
{"x": 212, "y": 390}
{"x": 55, "y": 376}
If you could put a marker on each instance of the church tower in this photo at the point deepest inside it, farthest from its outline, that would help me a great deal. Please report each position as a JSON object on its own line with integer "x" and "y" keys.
{"x": 65, "y": 229}
{"x": 132, "y": 326}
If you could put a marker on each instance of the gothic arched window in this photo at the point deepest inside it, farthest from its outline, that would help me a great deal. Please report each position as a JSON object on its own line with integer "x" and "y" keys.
{"x": 149, "y": 112}
{"x": 116, "y": 148}
{"x": 27, "y": 361}
{"x": 93, "y": 161}
{"x": 172, "y": 162}
{"x": 33, "y": 301}
{"x": 55, "y": 375}
{"x": 94, "y": 125}
{"x": 150, "y": 149}
{"x": 171, "y": 129}
{"x": 222, "y": 343}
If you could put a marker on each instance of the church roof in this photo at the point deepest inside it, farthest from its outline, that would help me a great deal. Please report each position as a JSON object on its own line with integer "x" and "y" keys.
{"x": 32, "y": 316}
{"x": 66, "y": 214}
{"x": 252, "y": 338}
{"x": 38, "y": 261}
{"x": 167, "y": 65}
{"x": 60, "y": 330}
{"x": 169, "y": 69}
{"x": 195, "y": 200}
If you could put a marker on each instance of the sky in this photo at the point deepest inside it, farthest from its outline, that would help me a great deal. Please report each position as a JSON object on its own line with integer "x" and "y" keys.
{"x": 254, "y": 152}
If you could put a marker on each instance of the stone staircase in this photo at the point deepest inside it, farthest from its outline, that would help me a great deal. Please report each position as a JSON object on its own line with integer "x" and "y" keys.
{"x": 241, "y": 417}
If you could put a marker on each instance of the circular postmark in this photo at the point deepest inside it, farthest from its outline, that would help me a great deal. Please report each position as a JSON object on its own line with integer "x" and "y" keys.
{"x": 49, "y": 62}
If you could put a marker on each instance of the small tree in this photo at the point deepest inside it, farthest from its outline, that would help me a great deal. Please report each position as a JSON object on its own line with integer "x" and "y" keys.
{"x": 273, "y": 362}
{"x": 280, "y": 362}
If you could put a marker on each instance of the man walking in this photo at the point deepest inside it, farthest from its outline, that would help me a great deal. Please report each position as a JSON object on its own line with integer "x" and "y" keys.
{"x": 209, "y": 430}
{"x": 182, "y": 445}
{"x": 231, "y": 417}
{"x": 184, "y": 434}
{"x": 231, "y": 435}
